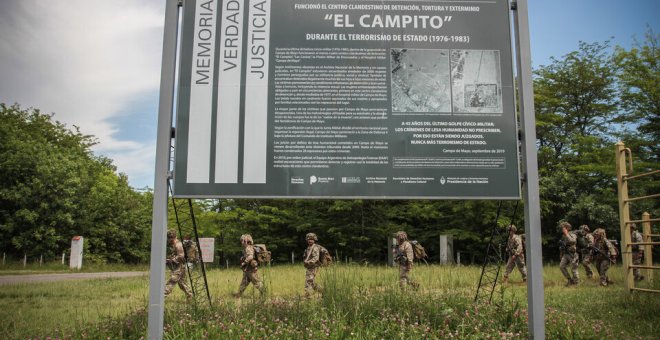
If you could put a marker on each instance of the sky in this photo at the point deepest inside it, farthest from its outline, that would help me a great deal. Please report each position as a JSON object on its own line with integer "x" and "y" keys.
{"x": 95, "y": 64}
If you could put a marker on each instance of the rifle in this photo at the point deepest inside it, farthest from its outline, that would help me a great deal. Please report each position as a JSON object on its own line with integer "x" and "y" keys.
{"x": 598, "y": 251}
{"x": 562, "y": 244}
{"x": 399, "y": 257}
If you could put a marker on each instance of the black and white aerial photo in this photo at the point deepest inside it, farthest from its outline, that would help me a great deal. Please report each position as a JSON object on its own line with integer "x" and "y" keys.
{"x": 476, "y": 81}
{"x": 420, "y": 81}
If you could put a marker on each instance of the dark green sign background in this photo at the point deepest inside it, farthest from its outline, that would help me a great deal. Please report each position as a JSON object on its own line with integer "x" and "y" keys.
{"x": 371, "y": 99}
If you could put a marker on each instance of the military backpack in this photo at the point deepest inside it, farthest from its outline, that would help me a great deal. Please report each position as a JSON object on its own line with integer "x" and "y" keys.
{"x": 190, "y": 247}
{"x": 262, "y": 254}
{"x": 418, "y": 251}
{"x": 325, "y": 259}
{"x": 580, "y": 240}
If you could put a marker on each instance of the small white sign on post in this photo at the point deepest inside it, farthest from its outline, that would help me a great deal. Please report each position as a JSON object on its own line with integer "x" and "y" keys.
{"x": 75, "y": 260}
{"x": 207, "y": 244}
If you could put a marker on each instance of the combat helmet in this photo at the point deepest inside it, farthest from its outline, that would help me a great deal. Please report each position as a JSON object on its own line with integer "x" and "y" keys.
{"x": 311, "y": 236}
{"x": 584, "y": 228}
{"x": 401, "y": 235}
{"x": 511, "y": 227}
{"x": 566, "y": 225}
{"x": 599, "y": 233}
{"x": 171, "y": 233}
{"x": 633, "y": 226}
{"x": 247, "y": 238}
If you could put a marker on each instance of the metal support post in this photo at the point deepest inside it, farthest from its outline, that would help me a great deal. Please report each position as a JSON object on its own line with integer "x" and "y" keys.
{"x": 536, "y": 320}
{"x": 159, "y": 217}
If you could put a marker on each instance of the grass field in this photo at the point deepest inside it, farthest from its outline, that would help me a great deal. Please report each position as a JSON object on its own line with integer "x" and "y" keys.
{"x": 15, "y": 268}
{"x": 358, "y": 302}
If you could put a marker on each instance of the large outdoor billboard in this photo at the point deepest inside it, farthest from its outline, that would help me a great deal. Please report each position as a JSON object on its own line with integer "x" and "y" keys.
{"x": 345, "y": 99}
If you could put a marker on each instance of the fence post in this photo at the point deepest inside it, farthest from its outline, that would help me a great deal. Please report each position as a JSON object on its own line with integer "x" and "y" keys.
{"x": 624, "y": 213}
{"x": 648, "y": 249}
{"x": 24, "y": 260}
{"x": 63, "y": 255}
{"x": 41, "y": 260}
{"x": 227, "y": 264}
{"x": 292, "y": 257}
{"x": 458, "y": 258}
{"x": 4, "y": 255}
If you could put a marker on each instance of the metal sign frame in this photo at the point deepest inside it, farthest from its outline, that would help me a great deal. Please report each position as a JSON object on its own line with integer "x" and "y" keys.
{"x": 536, "y": 323}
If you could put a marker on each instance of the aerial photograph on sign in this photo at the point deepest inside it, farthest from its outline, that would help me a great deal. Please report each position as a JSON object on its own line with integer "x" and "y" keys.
{"x": 476, "y": 81}
{"x": 420, "y": 81}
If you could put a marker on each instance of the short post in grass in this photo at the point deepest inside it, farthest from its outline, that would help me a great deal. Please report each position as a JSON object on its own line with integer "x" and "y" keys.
{"x": 24, "y": 260}
{"x": 293, "y": 257}
{"x": 41, "y": 260}
{"x": 63, "y": 256}
{"x": 4, "y": 256}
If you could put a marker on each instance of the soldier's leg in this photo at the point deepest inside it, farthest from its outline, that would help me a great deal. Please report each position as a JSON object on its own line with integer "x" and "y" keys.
{"x": 586, "y": 263}
{"x": 182, "y": 282}
{"x": 310, "y": 275}
{"x": 562, "y": 266}
{"x": 256, "y": 281}
{"x": 315, "y": 285}
{"x": 509, "y": 267}
{"x": 637, "y": 260}
{"x": 603, "y": 265}
{"x": 520, "y": 262}
{"x": 244, "y": 283}
{"x": 574, "y": 267}
{"x": 403, "y": 276}
{"x": 175, "y": 277}
{"x": 170, "y": 284}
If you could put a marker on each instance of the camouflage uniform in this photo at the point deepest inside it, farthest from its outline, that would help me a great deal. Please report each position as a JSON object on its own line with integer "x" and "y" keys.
{"x": 250, "y": 267}
{"x": 604, "y": 254}
{"x": 405, "y": 257}
{"x": 176, "y": 261}
{"x": 638, "y": 252}
{"x": 586, "y": 256}
{"x": 569, "y": 255}
{"x": 311, "y": 261}
{"x": 514, "y": 248}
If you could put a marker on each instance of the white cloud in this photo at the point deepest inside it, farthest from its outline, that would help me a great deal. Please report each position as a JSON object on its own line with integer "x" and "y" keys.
{"x": 85, "y": 60}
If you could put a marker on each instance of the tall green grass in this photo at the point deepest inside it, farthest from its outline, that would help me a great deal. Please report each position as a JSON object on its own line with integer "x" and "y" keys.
{"x": 360, "y": 302}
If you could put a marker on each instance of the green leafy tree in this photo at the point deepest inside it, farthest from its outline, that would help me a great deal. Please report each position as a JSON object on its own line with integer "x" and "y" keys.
{"x": 52, "y": 187}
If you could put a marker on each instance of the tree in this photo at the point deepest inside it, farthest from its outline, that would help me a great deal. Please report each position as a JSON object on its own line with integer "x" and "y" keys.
{"x": 639, "y": 76}
{"x": 52, "y": 187}
{"x": 574, "y": 97}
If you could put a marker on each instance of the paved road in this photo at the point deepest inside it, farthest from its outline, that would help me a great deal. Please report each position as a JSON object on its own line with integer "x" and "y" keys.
{"x": 14, "y": 279}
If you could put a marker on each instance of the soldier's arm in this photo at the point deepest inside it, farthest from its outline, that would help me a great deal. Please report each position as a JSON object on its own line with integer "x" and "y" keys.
{"x": 611, "y": 249}
{"x": 519, "y": 248}
{"x": 409, "y": 253}
{"x": 314, "y": 256}
{"x": 249, "y": 254}
{"x": 179, "y": 257}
